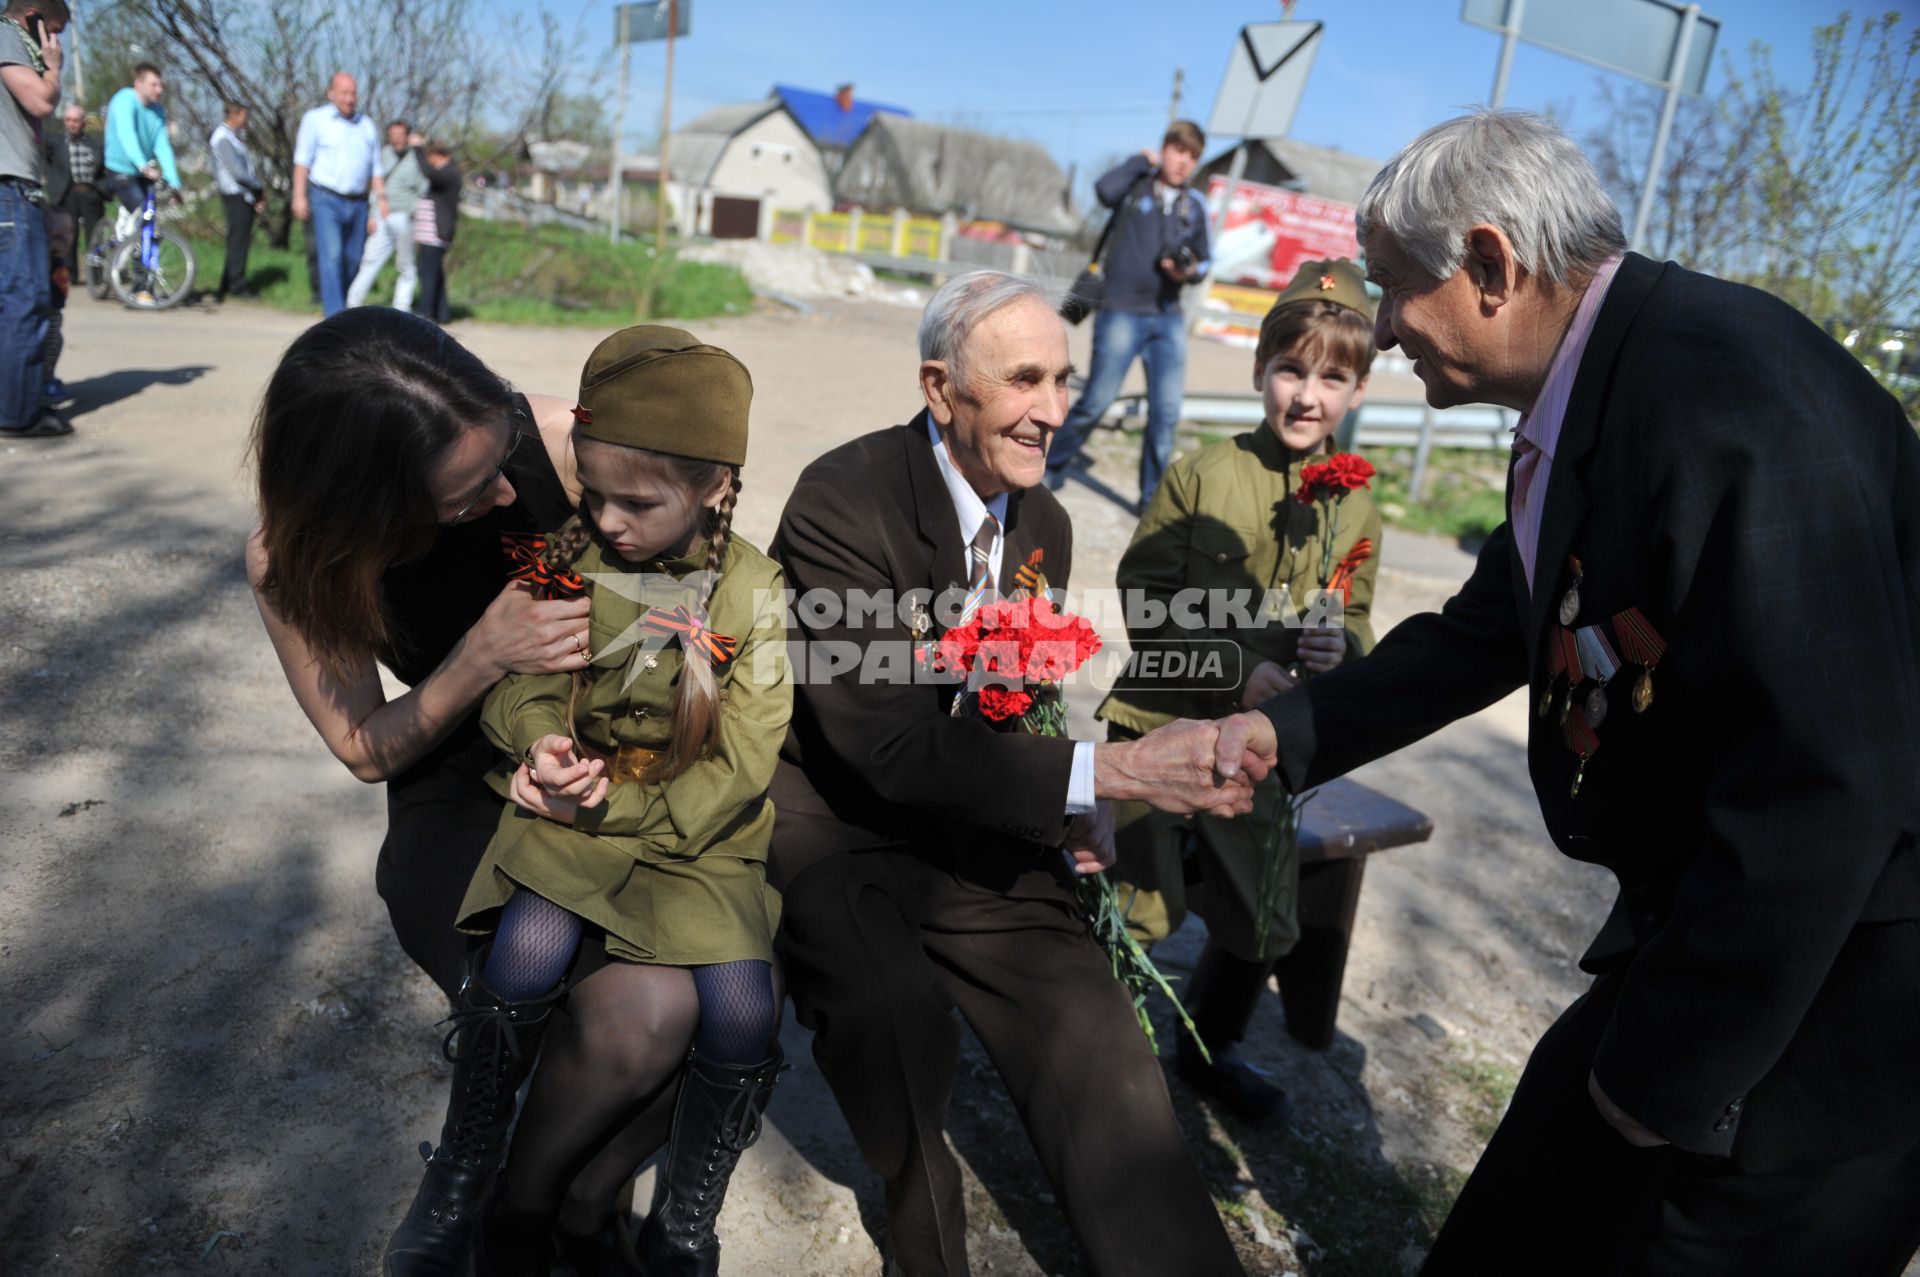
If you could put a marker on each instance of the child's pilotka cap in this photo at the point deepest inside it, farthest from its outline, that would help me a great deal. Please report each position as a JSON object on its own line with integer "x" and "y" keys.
{"x": 662, "y": 389}
{"x": 1338, "y": 281}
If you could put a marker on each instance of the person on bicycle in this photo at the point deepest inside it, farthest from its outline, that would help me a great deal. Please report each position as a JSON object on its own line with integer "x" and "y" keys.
{"x": 138, "y": 152}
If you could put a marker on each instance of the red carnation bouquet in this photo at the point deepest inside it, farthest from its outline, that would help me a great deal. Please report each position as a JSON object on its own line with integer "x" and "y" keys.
{"x": 1329, "y": 483}
{"x": 1014, "y": 654}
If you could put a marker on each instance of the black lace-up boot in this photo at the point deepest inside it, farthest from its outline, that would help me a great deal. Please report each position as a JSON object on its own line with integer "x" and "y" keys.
{"x": 492, "y": 1044}
{"x": 716, "y": 1120}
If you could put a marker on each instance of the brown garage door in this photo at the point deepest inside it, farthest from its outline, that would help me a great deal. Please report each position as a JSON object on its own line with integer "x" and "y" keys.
{"x": 735, "y": 218}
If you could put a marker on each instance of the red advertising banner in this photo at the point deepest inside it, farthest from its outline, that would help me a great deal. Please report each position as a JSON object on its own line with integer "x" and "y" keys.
{"x": 1258, "y": 244}
{"x": 1262, "y": 239}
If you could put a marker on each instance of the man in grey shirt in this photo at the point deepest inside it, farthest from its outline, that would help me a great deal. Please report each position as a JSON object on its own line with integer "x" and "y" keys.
{"x": 393, "y": 236}
{"x": 30, "y": 64}
{"x": 241, "y": 196}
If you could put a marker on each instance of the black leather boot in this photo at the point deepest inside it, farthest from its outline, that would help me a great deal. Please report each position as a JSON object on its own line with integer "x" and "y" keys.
{"x": 492, "y": 1044}
{"x": 716, "y": 1120}
{"x": 1221, "y": 999}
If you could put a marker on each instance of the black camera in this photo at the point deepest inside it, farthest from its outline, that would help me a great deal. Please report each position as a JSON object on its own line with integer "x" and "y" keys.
{"x": 1183, "y": 259}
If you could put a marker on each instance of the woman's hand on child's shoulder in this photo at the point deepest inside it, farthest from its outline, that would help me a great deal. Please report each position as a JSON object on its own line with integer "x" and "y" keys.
{"x": 521, "y": 633}
{"x": 1266, "y": 681}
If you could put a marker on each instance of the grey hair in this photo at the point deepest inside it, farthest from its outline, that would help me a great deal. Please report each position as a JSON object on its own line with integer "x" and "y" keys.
{"x": 964, "y": 302}
{"x": 1511, "y": 169}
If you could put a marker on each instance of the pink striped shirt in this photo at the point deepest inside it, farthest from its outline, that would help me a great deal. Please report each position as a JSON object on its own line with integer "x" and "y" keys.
{"x": 1538, "y": 431}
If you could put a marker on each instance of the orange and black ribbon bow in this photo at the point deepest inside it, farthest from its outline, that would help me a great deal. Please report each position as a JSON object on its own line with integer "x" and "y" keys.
{"x": 526, "y": 561}
{"x": 1028, "y": 574}
{"x": 678, "y": 622}
{"x": 1342, "y": 579}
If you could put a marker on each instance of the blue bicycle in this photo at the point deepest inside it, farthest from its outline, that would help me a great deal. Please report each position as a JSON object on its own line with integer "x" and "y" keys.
{"x": 147, "y": 266}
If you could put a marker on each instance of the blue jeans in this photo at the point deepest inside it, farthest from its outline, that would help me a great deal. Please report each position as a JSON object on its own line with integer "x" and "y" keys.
{"x": 1160, "y": 341}
{"x": 339, "y": 237}
{"x": 26, "y": 303}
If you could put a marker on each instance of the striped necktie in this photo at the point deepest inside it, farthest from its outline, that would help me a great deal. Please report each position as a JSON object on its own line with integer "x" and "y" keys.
{"x": 980, "y": 565}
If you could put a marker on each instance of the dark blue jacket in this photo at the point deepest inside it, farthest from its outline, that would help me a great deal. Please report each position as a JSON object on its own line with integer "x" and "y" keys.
{"x": 1143, "y": 234}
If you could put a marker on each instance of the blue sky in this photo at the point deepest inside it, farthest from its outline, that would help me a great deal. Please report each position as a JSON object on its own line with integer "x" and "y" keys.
{"x": 1092, "y": 80}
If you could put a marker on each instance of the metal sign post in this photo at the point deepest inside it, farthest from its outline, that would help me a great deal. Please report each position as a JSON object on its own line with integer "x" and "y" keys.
{"x": 633, "y": 24}
{"x": 1664, "y": 44}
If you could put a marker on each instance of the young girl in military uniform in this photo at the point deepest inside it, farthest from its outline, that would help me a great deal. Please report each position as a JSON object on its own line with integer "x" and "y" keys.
{"x": 1230, "y": 517}
{"x": 640, "y": 820}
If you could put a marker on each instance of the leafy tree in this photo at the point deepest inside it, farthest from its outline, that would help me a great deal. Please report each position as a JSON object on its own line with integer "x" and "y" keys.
{"x": 1811, "y": 195}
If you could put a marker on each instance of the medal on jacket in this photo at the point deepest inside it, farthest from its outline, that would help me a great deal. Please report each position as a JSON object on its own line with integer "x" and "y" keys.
{"x": 1556, "y": 666}
{"x": 1583, "y": 741}
{"x": 1566, "y": 656}
{"x": 1598, "y": 663}
{"x": 1643, "y": 647}
{"x": 1570, "y": 601}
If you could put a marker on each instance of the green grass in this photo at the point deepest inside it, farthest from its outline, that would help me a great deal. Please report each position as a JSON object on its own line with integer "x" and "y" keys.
{"x": 546, "y": 275}
{"x": 1465, "y": 496}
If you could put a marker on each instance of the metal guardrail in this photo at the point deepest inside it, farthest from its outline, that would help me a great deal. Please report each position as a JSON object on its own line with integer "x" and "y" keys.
{"x": 1480, "y": 427}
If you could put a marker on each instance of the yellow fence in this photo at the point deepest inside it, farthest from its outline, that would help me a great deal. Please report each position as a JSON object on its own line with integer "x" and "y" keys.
{"x": 869, "y": 234}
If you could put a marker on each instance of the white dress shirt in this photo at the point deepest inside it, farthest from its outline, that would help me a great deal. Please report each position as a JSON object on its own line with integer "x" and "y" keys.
{"x": 971, "y": 509}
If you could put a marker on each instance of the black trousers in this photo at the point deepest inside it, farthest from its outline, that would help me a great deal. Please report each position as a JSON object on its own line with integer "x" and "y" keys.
{"x": 239, "y": 211}
{"x": 87, "y": 206}
{"x": 1559, "y": 1191}
{"x": 882, "y": 947}
{"x": 431, "y": 300}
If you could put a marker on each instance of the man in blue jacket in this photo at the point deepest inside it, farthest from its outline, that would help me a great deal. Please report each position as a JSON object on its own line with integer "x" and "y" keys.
{"x": 138, "y": 149}
{"x": 1157, "y": 247}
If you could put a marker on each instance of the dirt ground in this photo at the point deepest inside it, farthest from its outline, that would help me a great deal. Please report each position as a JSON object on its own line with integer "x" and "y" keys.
{"x": 219, "y": 1061}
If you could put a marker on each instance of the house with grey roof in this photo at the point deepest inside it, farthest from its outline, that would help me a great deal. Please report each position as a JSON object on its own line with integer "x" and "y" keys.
{"x": 1324, "y": 171}
{"x": 733, "y": 165}
{"x": 937, "y": 170}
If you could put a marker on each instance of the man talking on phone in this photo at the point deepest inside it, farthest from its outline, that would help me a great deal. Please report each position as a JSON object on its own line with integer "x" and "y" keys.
{"x": 30, "y": 64}
{"x": 1157, "y": 245}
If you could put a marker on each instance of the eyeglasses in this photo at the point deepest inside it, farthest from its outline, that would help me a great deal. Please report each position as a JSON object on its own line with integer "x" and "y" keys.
{"x": 513, "y": 445}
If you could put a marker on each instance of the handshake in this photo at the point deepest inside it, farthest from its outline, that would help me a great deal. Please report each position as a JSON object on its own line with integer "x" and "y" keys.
{"x": 1190, "y": 766}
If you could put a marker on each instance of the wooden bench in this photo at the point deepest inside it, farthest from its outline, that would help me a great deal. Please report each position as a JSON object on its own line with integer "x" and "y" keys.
{"x": 1344, "y": 824}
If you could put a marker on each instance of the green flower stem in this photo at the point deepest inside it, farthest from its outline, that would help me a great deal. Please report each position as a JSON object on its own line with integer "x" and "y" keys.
{"x": 1283, "y": 846}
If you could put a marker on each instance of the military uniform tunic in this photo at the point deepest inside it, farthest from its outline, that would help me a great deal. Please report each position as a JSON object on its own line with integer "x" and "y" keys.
{"x": 1227, "y": 519}
{"x": 673, "y": 873}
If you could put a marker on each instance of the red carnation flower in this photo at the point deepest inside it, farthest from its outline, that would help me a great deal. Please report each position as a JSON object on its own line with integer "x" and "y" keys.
{"x": 998, "y": 704}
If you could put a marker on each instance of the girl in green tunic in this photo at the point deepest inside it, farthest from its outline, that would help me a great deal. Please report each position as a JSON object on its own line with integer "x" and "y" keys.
{"x": 639, "y": 810}
{"x": 1230, "y": 518}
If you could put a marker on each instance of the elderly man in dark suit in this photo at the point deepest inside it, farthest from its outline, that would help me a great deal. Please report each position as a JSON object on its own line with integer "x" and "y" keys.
{"x": 1709, "y": 583}
{"x": 71, "y": 173}
{"x": 921, "y": 854}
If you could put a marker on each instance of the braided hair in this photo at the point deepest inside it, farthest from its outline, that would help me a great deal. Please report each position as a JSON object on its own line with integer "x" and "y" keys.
{"x": 697, "y": 698}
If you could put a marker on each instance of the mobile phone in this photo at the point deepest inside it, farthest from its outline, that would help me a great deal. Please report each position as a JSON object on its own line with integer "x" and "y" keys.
{"x": 36, "y": 27}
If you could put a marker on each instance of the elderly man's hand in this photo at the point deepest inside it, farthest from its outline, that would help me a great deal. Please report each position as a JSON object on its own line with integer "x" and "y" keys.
{"x": 1172, "y": 768}
{"x": 1247, "y": 746}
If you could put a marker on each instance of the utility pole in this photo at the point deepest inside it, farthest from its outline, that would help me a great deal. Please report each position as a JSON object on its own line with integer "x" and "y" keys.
{"x": 666, "y": 130}
{"x": 79, "y": 73}
{"x": 1173, "y": 108}
{"x": 616, "y": 175}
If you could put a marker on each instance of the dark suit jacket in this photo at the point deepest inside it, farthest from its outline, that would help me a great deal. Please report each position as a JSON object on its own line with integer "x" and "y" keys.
{"x": 1734, "y": 473}
{"x": 877, "y": 763}
{"x": 58, "y": 171}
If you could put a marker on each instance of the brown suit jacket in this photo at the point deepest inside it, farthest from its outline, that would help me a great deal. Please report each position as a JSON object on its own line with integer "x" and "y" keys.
{"x": 869, "y": 763}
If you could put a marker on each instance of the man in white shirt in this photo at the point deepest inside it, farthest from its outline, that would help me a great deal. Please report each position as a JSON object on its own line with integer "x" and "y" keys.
{"x": 241, "y": 196}
{"x": 335, "y": 176}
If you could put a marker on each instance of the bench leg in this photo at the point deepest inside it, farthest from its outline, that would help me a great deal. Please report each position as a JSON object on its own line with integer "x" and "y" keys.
{"x": 1310, "y": 976}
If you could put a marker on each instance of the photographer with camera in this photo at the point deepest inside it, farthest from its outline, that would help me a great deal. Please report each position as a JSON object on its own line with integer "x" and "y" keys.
{"x": 1156, "y": 246}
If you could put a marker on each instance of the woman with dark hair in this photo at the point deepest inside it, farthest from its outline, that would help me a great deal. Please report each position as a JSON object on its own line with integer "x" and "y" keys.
{"x": 390, "y": 463}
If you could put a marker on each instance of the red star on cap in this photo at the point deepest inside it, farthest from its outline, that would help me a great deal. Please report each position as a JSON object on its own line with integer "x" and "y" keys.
{"x": 585, "y": 417}
{"x": 1327, "y": 283}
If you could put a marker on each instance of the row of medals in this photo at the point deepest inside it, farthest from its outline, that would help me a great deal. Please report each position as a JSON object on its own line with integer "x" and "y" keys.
{"x": 1593, "y": 665}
